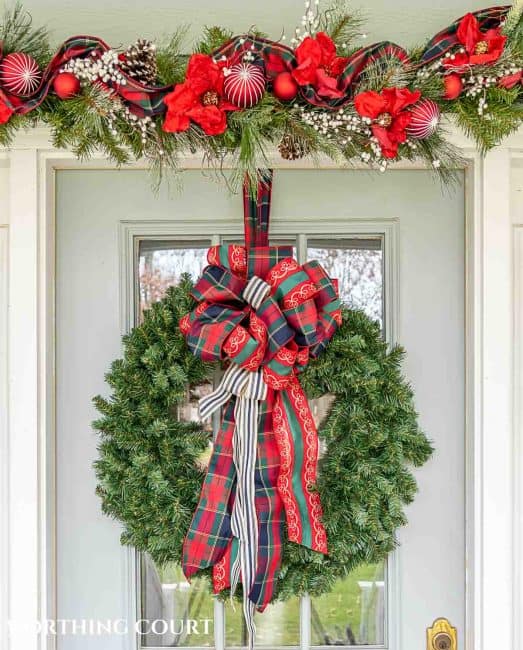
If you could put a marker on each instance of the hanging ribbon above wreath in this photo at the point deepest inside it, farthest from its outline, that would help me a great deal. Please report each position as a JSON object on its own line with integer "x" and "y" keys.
{"x": 265, "y": 315}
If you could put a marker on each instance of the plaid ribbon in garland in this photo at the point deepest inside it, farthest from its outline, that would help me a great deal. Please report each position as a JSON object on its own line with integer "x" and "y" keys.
{"x": 267, "y": 316}
{"x": 142, "y": 100}
{"x": 447, "y": 39}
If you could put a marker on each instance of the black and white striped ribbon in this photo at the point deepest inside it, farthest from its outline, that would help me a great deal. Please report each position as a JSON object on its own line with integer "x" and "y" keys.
{"x": 249, "y": 389}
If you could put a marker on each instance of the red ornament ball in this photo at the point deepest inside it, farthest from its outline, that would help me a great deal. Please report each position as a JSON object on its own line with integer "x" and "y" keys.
{"x": 284, "y": 87}
{"x": 244, "y": 84}
{"x": 66, "y": 85}
{"x": 453, "y": 86}
{"x": 425, "y": 117}
{"x": 20, "y": 74}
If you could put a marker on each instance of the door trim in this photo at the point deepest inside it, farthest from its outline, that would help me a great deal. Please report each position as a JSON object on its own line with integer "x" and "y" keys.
{"x": 493, "y": 559}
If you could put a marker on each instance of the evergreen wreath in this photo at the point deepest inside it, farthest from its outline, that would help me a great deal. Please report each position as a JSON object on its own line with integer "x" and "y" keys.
{"x": 150, "y": 473}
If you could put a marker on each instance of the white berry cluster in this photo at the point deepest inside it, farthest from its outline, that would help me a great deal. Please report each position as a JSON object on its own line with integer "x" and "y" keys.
{"x": 343, "y": 126}
{"x": 476, "y": 86}
{"x": 144, "y": 124}
{"x": 104, "y": 67}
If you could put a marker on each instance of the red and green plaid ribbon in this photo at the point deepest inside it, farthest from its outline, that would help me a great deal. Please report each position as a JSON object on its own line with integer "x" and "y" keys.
{"x": 142, "y": 100}
{"x": 266, "y": 315}
{"x": 447, "y": 39}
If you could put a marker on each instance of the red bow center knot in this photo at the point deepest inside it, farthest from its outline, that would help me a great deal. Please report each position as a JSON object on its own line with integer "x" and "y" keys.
{"x": 267, "y": 316}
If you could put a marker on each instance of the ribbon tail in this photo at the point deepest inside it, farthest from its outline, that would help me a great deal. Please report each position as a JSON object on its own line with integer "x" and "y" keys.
{"x": 297, "y": 440}
{"x": 244, "y": 523}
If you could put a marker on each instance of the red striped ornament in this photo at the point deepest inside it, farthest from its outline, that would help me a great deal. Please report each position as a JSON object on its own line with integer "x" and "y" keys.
{"x": 20, "y": 74}
{"x": 244, "y": 84}
{"x": 425, "y": 119}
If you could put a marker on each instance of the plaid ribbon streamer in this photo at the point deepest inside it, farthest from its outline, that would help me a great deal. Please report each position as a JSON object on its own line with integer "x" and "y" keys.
{"x": 263, "y": 466}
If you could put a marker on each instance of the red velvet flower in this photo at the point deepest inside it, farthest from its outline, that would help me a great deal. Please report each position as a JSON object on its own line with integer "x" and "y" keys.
{"x": 318, "y": 65}
{"x": 5, "y": 111}
{"x": 480, "y": 47}
{"x": 199, "y": 98}
{"x": 388, "y": 115}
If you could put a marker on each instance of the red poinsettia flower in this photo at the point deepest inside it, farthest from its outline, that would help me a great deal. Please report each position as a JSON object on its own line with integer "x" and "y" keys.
{"x": 480, "y": 47}
{"x": 5, "y": 111}
{"x": 199, "y": 98}
{"x": 389, "y": 117}
{"x": 318, "y": 65}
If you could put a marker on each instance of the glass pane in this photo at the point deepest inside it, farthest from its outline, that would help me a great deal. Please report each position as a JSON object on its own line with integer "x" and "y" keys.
{"x": 358, "y": 265}
{"x": 279, "y": 625}
{"x": 162, "y": 262}
{"x": 353, "y": 613}
{"x": 174, "y": 614}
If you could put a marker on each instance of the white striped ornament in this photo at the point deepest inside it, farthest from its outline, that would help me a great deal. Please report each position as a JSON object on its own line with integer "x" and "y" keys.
{"x": 20, "y": 74}
{"x": 425, "y": 119}
{"x": 244, "y": 84}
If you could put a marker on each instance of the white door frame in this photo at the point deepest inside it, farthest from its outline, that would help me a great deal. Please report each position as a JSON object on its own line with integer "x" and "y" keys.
{"x": 494, "y": 303}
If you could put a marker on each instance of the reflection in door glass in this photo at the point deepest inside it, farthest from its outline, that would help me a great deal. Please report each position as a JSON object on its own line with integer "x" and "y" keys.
{"x": 278, "y": 626}
{"x": 353, "y": 613}
{"x": 175, "y": 614}
{"x": 358, "y": 265}
{"x": 161, "y": 264}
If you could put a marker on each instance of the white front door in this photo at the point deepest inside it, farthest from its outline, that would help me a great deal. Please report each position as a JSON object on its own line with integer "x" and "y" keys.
{"x": 398, "y": 243}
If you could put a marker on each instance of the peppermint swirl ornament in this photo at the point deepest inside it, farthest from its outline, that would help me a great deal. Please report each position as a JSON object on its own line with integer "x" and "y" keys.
{"x": 20, "y": 74}
{"x": 244, "y": 84}
{"x": 425, "y": 119}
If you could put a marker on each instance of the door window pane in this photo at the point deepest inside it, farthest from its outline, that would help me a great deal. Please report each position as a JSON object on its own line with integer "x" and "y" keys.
{"x": 277, "y": 626}
{"x": 353, "y": 613}
{"x": 358, "y": 265}
{"x": 175, "y": 614}
{"x": 162, "y": 263}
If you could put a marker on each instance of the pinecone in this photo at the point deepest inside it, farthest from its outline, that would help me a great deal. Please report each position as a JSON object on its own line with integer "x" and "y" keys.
{"x": 139, "y": 62}
{"x": 292, "y": 148}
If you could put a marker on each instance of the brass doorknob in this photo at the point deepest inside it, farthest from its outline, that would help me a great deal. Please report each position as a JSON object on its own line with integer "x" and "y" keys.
{"x": 442, "y": 636}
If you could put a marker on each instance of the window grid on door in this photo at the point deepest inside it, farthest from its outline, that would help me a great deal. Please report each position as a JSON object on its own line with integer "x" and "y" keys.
{"x": 159, "y": 260}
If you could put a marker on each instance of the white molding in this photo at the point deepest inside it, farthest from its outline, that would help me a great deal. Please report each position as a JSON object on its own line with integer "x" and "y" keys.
{"x": 518, "y": 435}
{"x": 492, "y": 556}
{"x": 494, "y": 488}
{"x": 4, "y": 441}
{"x": 24, "y": 464}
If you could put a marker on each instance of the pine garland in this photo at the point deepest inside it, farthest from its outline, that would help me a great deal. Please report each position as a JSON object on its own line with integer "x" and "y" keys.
{"x": 149, "y": 468}
{"x": 91, "y": 122}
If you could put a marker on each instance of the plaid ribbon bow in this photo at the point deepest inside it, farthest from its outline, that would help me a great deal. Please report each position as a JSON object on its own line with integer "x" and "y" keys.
{"x": 267, "y": 316}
